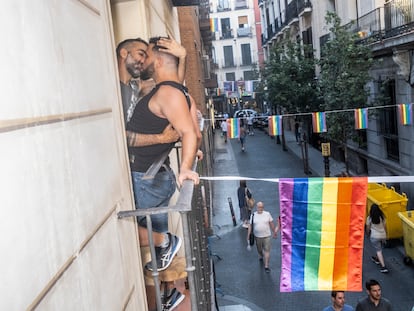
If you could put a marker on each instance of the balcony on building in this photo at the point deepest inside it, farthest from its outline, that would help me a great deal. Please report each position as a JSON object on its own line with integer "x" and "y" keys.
{"x": 304, "y": 7}
{"x": 223, "y": 5}
{"x": 186, "y": 2}
{"x": 244, "y": 32}
{"x": 386, "y": 27}
{"x": 211, "y": 82}
{"x": 228, "y": 34}
{"x": 240, "y": 5}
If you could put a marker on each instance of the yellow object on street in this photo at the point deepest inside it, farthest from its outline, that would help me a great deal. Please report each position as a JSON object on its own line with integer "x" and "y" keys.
{"x": 407, "y": 219}
{"x": 391, "y": 203}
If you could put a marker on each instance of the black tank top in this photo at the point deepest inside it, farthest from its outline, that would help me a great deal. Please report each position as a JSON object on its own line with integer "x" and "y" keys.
{"x": 143, "y": 121}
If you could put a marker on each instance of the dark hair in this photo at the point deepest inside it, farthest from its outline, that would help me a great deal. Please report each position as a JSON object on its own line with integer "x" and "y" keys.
{"x": 376, "y": 214}
{"x": 243, "y": 183}
{"x": 370, "y": 283}
{"x": 126, "y": 43}
{"x": 334, "y": 292}
{"x": 156, "y": 47}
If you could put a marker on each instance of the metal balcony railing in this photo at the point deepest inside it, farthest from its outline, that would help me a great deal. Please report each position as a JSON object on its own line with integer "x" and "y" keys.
{"x": 193, "y": 204}
{"x": 395, "y": 18}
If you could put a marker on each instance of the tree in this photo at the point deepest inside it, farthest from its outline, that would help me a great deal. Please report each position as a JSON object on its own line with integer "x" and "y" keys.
{"x": 289, "y": 75}
{"x": 344, "y": 65}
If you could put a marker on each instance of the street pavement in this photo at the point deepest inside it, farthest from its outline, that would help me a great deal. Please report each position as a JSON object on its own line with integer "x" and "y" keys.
{"x": 242, "y": 283}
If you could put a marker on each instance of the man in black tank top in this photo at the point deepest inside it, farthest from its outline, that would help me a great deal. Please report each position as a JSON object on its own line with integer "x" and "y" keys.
{"x": 165, "y": 104}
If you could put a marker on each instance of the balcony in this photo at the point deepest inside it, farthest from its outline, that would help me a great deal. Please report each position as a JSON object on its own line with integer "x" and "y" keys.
{"x": 244, "y": 32}
{"x": 391, "y": 21}
{"x": 240, "y": 5}
{"x": 227, "y": 35}
{"x": 304, "y": 7}
{"x": 186, "y": 2}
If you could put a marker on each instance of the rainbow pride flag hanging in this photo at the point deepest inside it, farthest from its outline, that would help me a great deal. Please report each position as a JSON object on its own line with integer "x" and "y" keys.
{"x": 275, "y": 125}
{"x": 361, "y": 118}
{"x": 405, "y": 113}
{"x": 322, "y": 225}
{"x": 214, "y": 24}
{"x": 233, "y": 128}
{"x": 319, "y": 122}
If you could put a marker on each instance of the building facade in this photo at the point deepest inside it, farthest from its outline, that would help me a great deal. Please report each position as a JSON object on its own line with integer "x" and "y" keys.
{"x": 235, "y": 53}
{"x": 386, "y": 26}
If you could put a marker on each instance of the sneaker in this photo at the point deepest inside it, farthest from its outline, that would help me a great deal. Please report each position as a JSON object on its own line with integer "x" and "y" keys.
{"x": 384, "y": 270}
{"x": 267, "y": 270}
{"x": 173, "y": 300}
{"x": 165, "y": 255}
{"x": 375, "y": 260}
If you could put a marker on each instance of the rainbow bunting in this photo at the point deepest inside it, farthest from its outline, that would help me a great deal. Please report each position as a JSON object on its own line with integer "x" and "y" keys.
{"x": 361, "y": 118}
{"x": 405, "y": 112}
{"x": 233, "y": 128}
{"x": 214, "y": 24}
{"x": 318, "y": 122}
{"x": 322, "y": 221}
{"x": 275, "y": 125}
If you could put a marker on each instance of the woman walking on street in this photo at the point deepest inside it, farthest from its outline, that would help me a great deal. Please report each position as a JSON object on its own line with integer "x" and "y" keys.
{"x": 263, "y": 230}
{"x": 242, "y": 192}
{"x": 376, "y": 228}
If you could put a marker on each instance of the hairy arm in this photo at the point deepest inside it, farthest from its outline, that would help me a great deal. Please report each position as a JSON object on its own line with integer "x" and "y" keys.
{"x": 170, "y": 103}
{"x": 169, "y": 135}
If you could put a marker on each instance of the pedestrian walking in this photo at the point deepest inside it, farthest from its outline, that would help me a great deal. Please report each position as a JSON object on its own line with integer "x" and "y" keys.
{"x": 376, "y": 228}
{"x": 250, "y": 129}
{"x": 374, "y": 300}
{"x": 263, "y": 230}
{"x": 338, "y": 302}
{"x": 223, "y": 126}
{"x": 245, "y": 212}
{"x": 243, "y": 135}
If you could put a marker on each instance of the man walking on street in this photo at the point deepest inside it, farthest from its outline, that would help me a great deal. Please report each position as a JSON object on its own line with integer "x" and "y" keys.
{"x": 374, "y": 301}
{"x": 263, "y": 230}
{"x": 338, "y": 302}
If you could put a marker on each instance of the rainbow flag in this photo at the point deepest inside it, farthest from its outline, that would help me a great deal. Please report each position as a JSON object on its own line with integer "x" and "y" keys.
{"x": 214, "y": 24}
{"x": 319, "y": 122}
{"x": 322, "y": 227}
{"x": 275, "y": 125}
{"x": 233, "y": 128}
{"x": 405, "y": 112}
{"x": 361, "y": 118}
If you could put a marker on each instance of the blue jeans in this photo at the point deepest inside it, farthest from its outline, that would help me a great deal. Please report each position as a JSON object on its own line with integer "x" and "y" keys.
{"x": 154, "y": 193}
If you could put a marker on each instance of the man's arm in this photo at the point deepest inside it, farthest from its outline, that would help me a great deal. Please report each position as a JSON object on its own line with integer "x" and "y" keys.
{"x": 169, "y": 135}
{"x": 172, "y": 104}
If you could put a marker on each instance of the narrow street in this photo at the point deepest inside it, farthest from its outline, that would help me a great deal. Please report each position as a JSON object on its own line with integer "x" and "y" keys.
{"x": 243, "y": 283}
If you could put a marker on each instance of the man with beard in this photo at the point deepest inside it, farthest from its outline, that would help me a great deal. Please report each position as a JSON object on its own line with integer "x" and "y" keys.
{"x": 131, "y": 55}
{"x": 374, "y": 301}
{"x": 168, "y": 103}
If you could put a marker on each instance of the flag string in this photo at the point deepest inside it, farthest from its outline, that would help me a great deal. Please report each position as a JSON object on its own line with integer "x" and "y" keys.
{"x": 372, "y": 179}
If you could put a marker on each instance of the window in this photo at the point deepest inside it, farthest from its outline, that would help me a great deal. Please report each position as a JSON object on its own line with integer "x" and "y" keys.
{"x": 230, "y": 76}
{"x": 243, "y": 21}
{"x": 241, "y": 4}
{"x": 225, "y": 28}
{"x": 388, "y": 122}
{"x": 248, "y": 75}
{"x": 228, "y": 56}
{"x": 223, "y": 5}
{"x": 246, "y": 54}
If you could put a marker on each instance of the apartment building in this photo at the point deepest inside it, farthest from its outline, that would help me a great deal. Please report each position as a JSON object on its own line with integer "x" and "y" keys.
{"x": 387, "y": 27}
{"x": 235, "y": 53}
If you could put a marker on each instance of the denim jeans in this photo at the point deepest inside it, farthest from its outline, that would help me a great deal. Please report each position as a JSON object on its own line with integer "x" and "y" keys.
{"x": 154, "y": 193}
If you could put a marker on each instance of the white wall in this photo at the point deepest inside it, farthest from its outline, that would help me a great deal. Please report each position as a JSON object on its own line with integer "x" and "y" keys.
{"x": 64, "y": 172}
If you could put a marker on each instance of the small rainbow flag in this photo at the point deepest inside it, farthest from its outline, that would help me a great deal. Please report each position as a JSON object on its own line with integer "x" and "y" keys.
{"x": 214, "y": 24}
{"x": 322, "y": 221}
{"x": 319, "y": 122}
{"x": 361, "y": 118}
{"x": 233, "y": 128}
{"x": 405, "y": 112}
{"x": 275, "y": 125}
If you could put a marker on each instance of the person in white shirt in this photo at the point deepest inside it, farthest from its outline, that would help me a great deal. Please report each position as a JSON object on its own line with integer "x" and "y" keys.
{"x": 263, "y": 230}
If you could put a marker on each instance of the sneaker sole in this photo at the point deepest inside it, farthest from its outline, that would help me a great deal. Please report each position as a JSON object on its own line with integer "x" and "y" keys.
{"x": 172, "y": 256}
{"x": 175, "y": 305}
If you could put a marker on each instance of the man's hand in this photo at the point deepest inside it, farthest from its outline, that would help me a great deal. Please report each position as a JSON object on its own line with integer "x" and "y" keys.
{"x": 188, "y": 174}
{"x": 172, "y": 47}
{"x": 169, "y": 135}
{"x": 200, "y": 155}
